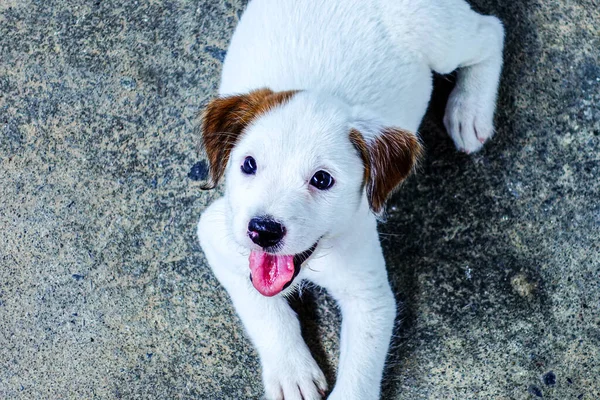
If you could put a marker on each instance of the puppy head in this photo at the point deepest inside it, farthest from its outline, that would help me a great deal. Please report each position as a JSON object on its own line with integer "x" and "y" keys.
{"x": 298, "y": 167}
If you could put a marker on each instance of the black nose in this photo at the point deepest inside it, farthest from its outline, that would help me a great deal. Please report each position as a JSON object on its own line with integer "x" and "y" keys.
{"x": 265, "y": 231}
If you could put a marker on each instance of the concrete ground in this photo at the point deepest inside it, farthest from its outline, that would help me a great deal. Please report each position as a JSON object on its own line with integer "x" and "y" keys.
{"x": 105, "y": 293}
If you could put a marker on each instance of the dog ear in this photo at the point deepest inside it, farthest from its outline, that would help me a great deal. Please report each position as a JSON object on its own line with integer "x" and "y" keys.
{"x": 225, "y": 119}
{"x": 388, "y": 156}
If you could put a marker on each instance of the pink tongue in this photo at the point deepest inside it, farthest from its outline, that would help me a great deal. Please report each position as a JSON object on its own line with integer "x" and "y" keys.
{"x": 269, "y": 272}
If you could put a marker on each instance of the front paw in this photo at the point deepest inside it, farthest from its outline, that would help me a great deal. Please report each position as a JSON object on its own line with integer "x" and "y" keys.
{"x": 293, "y": 375}
{"x": 343, "y": 394}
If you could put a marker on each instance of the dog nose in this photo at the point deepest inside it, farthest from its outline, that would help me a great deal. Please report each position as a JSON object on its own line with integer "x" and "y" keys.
{"x": 265, "y": 231}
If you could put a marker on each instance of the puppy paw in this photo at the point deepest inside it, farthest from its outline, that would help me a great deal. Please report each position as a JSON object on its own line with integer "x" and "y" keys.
{"x": 293, "y": 376}
{"x": 469, "y": 119}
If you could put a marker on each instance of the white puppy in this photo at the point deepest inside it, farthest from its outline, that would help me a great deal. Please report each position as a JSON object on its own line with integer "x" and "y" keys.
{"x": 313, "y": 131}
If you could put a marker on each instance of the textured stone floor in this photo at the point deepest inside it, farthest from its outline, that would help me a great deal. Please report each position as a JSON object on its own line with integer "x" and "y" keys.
{"x": 104, "y": 292}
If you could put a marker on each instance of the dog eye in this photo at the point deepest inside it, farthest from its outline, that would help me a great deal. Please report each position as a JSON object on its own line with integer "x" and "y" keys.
{"x": 249, "y": 166}
{"x": 322, "y": 180}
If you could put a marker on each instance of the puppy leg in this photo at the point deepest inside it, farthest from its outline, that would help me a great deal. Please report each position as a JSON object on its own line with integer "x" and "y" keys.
{"x": 360, "y": 286}
{"x": 289, "y": 370}
{"x": 367, "y": 325}
{"x": 448, "y": 35}
{"x": 469, "y": 116}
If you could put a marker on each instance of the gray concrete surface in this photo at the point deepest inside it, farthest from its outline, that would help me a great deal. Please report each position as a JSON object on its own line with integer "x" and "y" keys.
{"x": 104, "y": 292}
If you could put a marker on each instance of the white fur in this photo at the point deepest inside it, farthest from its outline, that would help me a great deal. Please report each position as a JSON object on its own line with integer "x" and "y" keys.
{"x": 360, "y": 64}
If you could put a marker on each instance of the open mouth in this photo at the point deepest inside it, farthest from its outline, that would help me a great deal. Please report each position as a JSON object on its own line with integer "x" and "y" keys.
{"x": 272, "y": 273}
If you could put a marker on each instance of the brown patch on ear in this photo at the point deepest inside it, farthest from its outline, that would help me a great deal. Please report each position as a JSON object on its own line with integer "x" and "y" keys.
{"x": 225, "y": 119}
{"x": 388, "y": 158}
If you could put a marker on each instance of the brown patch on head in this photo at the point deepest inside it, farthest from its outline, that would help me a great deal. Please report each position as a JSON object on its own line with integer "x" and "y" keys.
{"x": 225, "y": 119}
{"x": 388, "y": 159}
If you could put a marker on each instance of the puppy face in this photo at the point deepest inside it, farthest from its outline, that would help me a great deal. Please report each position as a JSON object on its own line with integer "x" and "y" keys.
{"x": 297, "y": 167}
